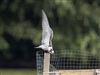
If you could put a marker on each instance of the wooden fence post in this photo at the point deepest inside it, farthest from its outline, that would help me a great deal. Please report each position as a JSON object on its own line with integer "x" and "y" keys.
{"x": 46, "y": 63}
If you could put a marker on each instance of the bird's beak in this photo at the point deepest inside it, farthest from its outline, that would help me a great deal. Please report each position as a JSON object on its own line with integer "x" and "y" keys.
{"x": 36, "y": 47}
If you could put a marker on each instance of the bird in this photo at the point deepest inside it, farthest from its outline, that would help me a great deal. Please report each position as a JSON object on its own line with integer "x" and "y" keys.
{"x": 47, "y": 35}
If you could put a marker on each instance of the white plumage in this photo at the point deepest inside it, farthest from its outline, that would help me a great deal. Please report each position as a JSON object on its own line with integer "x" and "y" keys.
{"x": 47, "y": 35}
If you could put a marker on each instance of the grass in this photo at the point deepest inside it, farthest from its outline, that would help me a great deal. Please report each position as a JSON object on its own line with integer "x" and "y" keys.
{"x": 17, "y": 72}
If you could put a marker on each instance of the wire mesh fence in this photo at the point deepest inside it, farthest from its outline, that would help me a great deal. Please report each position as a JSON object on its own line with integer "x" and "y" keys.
{"x": 68, "y": 60}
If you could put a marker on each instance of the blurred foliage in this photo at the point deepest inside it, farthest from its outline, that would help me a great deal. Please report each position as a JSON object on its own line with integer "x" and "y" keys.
{"x": 76, "y": 24}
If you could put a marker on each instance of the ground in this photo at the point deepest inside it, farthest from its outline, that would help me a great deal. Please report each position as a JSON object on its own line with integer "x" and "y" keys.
{"x": 17, "y": 72}
{"x": 33, "y": 72}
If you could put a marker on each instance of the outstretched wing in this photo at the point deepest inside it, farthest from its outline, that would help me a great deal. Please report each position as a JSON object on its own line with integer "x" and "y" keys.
{"x": 46, "y": 30}
{"x": 51, "y": 37}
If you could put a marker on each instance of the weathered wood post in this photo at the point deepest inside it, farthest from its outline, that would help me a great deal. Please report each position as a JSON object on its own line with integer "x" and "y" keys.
{"x": 46, "y": 64}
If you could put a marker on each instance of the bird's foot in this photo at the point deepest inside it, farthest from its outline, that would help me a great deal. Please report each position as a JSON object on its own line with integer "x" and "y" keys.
{"x": 50, "y": 51}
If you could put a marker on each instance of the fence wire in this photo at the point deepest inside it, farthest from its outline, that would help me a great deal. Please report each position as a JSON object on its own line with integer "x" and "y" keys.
{"x": 66, "y": 60}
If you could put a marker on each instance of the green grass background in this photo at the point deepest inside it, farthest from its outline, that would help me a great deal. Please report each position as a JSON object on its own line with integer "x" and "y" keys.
{"x": 17, "y": 72}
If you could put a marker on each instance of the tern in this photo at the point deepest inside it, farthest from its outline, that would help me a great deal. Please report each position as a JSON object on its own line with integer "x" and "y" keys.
{"x": 47, "y": 35}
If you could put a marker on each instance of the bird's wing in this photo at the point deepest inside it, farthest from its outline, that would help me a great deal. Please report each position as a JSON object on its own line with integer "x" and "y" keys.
{"x": 46, "y": 30}
{"x": 51, "y": 37}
